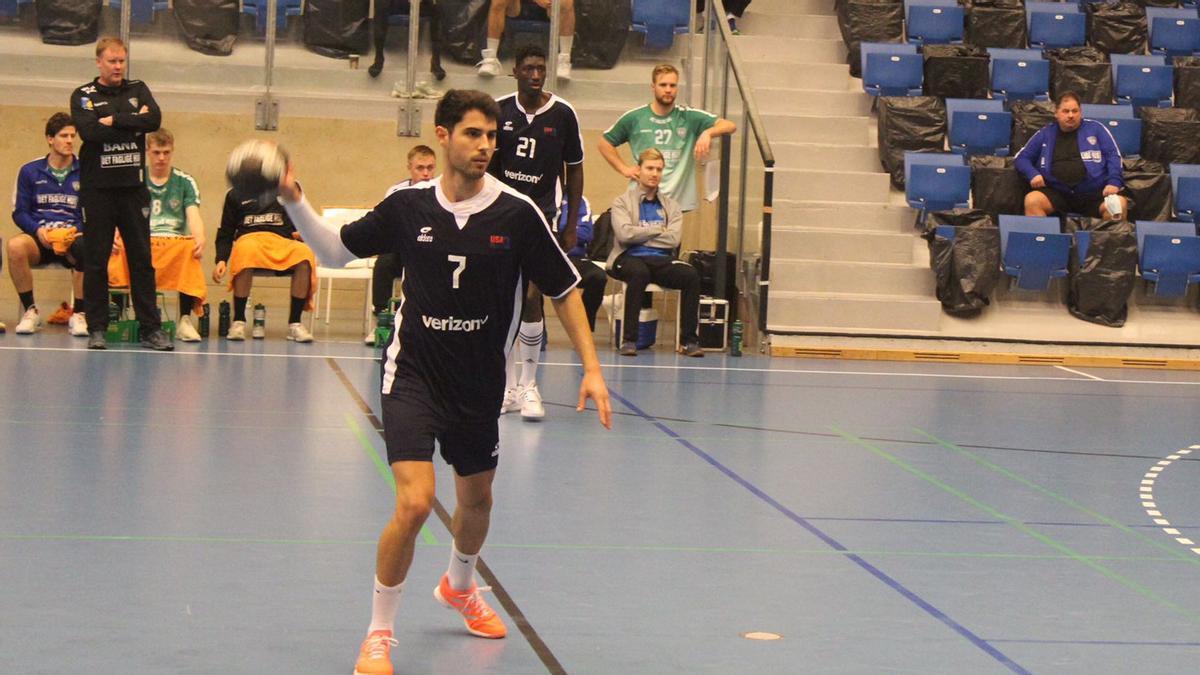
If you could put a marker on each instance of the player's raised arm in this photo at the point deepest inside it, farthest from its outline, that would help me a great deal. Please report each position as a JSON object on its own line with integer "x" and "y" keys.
{"x": 574, "y": 320}
{"x": 323, "y": 237}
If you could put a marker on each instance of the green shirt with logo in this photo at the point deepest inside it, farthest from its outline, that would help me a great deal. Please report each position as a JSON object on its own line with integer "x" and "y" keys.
{"x": 674, "y": 135}
{"x": 169, "y": 203}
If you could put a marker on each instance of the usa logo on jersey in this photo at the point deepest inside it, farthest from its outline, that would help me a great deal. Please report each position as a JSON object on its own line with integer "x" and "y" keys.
{"x": 499, "y": 241}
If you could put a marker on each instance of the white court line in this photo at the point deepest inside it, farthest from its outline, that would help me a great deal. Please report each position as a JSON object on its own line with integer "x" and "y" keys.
{"x": 1077, "y": 372}
{"x": 1150, "y": 504}
{"x": 614, "y": 366}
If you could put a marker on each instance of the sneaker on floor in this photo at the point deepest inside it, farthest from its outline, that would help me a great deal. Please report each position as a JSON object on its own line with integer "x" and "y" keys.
{"x": 628, "y": 348}
{"x": 733, "y": 26}
{"x": 30, "y": 322}
{"x": 97, "y": 340}
{"x": 298, "y": 333}
{"x": 3, "y": 328}
{"x": 477, "y": 615}
{"x": 512, "y": 400}
{"x": 185, "y": 331}
{"x": 531, "y": 403}
{"x": 369, "y": 339}
{"x": 424, "y": 89}
{"x": 564, "y": 66}
{"x": 61, "y": 315}
{"x": 374, "y": 657}
{"x": 158, "y": 341}
{"x": 489, "y": 66}
{"x": 258, "y": 331}
{"x": 692, "y": 348}
{"x": 77, "y": 325}
{"x": 237, "y": 331}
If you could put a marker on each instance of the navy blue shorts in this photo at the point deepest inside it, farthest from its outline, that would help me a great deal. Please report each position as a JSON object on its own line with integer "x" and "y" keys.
{"x": 411, "y": 424}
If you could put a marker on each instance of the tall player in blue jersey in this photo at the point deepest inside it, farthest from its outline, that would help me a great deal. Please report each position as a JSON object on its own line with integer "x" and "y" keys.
{"x": 538, "y": 148}
{"x": 468, "y": 243}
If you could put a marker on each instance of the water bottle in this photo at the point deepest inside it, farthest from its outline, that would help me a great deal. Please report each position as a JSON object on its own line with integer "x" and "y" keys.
{"x": 735, "y": 347}
{"x": 223, "y": 321}
{"x": 204, "y": 322}
{"x": 260, "y": 316}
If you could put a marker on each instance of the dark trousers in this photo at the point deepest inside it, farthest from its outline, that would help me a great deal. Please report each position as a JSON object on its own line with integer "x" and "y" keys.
{"x": 736, "y": 7}
{"x": 387, "y": 269}
{"x": 104, "y": 212}
{"x": 592, "y": 285}
{"x": 638, "y": 271}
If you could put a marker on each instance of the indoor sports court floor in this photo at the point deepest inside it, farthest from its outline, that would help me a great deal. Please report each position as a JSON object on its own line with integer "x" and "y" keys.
{"x": 215, "y": 511}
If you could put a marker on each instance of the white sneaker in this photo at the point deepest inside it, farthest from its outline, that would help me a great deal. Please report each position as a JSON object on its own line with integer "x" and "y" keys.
{"x": 424, "y": 89}
{"x": 298, "y": 333}
{"x": 237, "y": 331}
{"x": 369, "y": 339}
{"x": 258, "y": 332}
{"x": 489, "y": 66}
{"x": 185, "y": 331}
{"x": 531, "y": 404}
{"x": 77, "y": 325}
{"x": 30, "y": 322}
{"x": 512, "y": 400}
{"x": 564, "y": 66}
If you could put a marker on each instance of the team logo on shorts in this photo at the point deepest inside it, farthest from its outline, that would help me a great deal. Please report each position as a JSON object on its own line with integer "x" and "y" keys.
{"x": 425, "y": 237}
{"x": 496, "y": 451}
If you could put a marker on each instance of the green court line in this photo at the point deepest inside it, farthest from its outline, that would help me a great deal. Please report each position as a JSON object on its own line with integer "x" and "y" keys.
{"x": 1016, "y": 523}
{"x": 1158, "y": 543}
{"x": 630, "y": 548}
{"x": 384, "y": 470}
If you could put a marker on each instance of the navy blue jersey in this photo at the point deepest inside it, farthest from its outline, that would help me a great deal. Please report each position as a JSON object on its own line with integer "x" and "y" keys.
{"x": 465, "y": 269}
{"x": 531, "y": 148}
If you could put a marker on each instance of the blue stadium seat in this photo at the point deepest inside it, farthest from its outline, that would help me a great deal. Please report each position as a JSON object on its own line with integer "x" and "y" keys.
{"x": 1121, "y": 123}
{"x": 1108, "y": 111}
{"x": 141, "y": 11}
{"x": 258, "y": 9}
{"x": 933, "y": 21}
{"x": 660, "y": 20}
{"x": 1187, "y": 197}
{"x": 1173, "y": 32}
{"x": 1142, "y": 80}
{"x": 933, "y": 187}
{"x": 9, "y": 7}
{"x": 912, "y": 159}
{"x": 978, "y": 126}
{"x": 1168, "y": 256}
{"x": 892, "y": 69}
{"x": 1019, "y": 74}
{"x": 1059, "y": 26}
{"x": 1033, "y": 250}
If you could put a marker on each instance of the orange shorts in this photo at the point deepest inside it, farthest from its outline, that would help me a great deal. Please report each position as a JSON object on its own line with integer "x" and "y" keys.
{"x": 269, "y": 251}
{"x": 175, "y": 268}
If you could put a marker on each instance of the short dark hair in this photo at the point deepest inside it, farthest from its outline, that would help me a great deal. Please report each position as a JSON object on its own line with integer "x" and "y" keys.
{"x": 1064, "y": 96}
{"x": 57, "y": 122}
{"x": 457, "y": 102}
{"x": 528, "y": 51}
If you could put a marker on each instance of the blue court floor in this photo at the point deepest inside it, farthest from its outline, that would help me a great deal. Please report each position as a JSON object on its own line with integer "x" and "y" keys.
{"x": 215, "y": 510}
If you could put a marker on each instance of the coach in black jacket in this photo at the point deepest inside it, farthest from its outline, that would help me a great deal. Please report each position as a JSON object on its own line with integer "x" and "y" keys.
{"x": 112, "y": 115}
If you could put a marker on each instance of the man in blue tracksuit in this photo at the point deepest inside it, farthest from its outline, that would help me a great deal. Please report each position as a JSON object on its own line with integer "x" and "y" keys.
{"x": 1071, "y": 164}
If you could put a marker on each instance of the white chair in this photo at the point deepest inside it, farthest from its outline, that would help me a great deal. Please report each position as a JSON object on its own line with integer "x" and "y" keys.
{"x": 614, "y": 304}
{"x": 361, "y": 269}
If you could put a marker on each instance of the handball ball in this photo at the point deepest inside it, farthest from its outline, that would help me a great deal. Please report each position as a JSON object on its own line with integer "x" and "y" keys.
{"x": 255, "y": 168}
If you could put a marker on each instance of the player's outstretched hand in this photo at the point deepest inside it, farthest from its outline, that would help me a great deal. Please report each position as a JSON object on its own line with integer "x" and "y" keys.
{"x": 593, "y": 387}
{"x": 289, "y": 189}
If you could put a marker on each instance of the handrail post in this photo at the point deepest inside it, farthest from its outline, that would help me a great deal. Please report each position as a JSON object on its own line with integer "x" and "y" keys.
{"x": 266, "y": 109}
{"x": 723, "y": 195}
{"x": 552, "y": 48}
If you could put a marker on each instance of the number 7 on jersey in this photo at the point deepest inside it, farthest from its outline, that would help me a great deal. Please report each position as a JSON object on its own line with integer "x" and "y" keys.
{"x": 461, "y": 261}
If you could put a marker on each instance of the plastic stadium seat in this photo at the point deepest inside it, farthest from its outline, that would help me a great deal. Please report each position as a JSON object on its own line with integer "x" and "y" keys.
{"x": 931, "y": 187}
{"x": 892, "y": 69}
{"x": 912, "y": 159}
{"x": 1061, "y": 27}
{"x": 1108, "y": 111}
{"x": 1124, "y": 127}
{"x": 933, "y": 21}
{"x": 1168, "y": 256}
{"x": 1142, "y": 80}
{"x": 142, "y": 11}
{"x": 1033, "y": 250}
{"x": 1024, "y": 77}
{"x": 1173, "y": 32}
{"x": 1186, "y": 190}
{"x": 978, "y": 126}
{"x": 9, "y": 7}
{"x": 258, "y": 9}
{"x": 660, "y": 20}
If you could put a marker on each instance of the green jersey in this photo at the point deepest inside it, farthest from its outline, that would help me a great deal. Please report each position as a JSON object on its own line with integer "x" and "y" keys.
{"x": 674, "y": 135}
{"x": 169, "y": 203}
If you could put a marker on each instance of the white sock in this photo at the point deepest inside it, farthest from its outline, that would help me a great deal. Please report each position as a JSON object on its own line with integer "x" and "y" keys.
{"x": 494, "y": 45}
{"x": 529, "y": 343}
{"x": 564, "y": 44}
{"x": 511, "y": 371}
{"x": 384, "y": 603}
{"x": 461, "y": 572}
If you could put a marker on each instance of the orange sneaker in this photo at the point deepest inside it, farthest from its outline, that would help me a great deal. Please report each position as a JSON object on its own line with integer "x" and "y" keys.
{"x": 61, "y": 315}
{"x": 477, "y": 615}
{"x": 374, "y": 658}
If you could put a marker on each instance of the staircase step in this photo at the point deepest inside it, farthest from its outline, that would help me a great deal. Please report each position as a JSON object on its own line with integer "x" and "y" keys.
{"x": 817, "y": 311}
{"x": 825, "y": 186}
{"x": 818, "y": 129}
{"x": 833, "y": 276}
{"x": 813, "y": 102}
{"x": 782, "y": 74}
{"x": 756, "y": 23}
{"x": 823, "y": 244}
{"x": 827, "y": 49}
{"x": 789, "y": 7}
{"x": 843, "y": 215}
{"x": 843, "y": 157}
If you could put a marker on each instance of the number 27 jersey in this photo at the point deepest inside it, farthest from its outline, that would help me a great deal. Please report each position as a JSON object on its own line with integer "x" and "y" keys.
{"x": 465, "y": 267}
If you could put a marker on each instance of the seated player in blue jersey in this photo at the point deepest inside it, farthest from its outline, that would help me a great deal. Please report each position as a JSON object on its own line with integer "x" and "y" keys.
{"x": 593, "y": 277}
{"x": 46, "y": 209}
{"x": 468, "y": 244}
{"x": 647, "y": 226}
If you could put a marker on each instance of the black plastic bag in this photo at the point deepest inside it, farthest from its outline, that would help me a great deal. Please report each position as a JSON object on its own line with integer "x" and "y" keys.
{"x": 68, "y": 22}
{"x": 1083, "y": 70}
{"x": 916, "y": 123}
{"x": 997, "y": 187}
{"x": 337, "y": 28}
{"x": 601, "y": 28}
{"x": 1171, "y": 135}
{"x": 464, "y": 29}
{"x": 1187, "y": 81}
{"x": 966, "y": 268}
{"x": 868, "y": 21}
{"x": 705, "y": 263}
{"x": 956, "y": 71}
{"x": 1148, "y": 187}
{"x": 996, "y": 23}
{"x": 1117, "y": 27}
{"x": 1028, "y": 118}
{"x": 208, "y": 26}
{"x": 1099, "y": 287}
